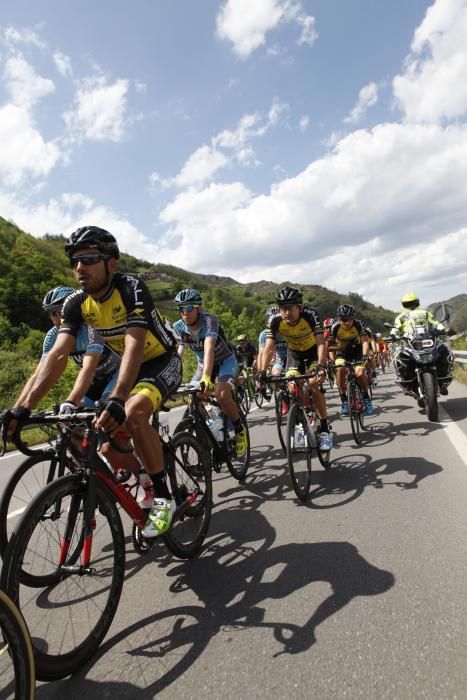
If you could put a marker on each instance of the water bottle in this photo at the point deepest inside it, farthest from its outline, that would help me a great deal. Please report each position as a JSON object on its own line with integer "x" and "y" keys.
{"x": 218, "y": 428}
{"x": 299, "y": 438}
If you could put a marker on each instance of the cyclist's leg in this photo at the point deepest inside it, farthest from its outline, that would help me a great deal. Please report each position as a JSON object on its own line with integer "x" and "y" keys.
{"x": 227, "y": 373}
{"x": 157, "y": 379}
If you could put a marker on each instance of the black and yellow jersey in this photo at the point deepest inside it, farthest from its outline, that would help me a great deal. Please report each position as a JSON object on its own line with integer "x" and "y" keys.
{"x": 301, "y": 335}
{"x": 347, "y": 337}
{"x": 127, "y": 304}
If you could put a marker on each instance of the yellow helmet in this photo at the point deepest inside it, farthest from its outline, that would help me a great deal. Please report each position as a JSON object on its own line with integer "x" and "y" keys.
{"x": 410, "y": 301}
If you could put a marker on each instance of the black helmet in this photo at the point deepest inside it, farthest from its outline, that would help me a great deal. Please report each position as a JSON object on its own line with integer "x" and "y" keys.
{"x": 289, "y": 295}
{"x": 92, "y": 237}
{"x": 346, "y": 310}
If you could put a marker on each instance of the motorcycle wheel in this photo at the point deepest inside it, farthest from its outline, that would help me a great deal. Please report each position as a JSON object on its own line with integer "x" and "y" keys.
{"x": 431, "y": 398}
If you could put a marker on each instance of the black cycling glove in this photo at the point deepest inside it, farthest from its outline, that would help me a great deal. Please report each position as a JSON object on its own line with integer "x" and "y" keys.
{"x": 114, "y": 406}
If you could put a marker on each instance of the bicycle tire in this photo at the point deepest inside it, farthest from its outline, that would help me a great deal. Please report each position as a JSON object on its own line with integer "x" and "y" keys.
{"x": 31, "y": 480}
{"x": 238, "y": 466}
{"x": 243, "y": 399}
{"x": 61, "y": 645}
{"x": 15, "y": 644}
{"x": 354, "y": 410}
{"x": 281, "y": 420}
{"x": 298, "y": 455}
{"x": 186, "y": 536}
{"x": 259, "y": 398}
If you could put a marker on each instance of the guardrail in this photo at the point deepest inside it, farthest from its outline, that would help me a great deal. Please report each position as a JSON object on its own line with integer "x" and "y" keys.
{"x": 460, "y": 356}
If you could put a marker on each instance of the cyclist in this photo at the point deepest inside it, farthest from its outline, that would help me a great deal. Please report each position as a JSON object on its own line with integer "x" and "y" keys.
{"x": 121, "y": 309}
{"x": 373, "y": 353}
{"x": 351, "y": 342}
{"x": 301, "y": 329}
{"x": 98, "y": 363}
{"x": 279, "y": 360}
{"x": 383, "y": 351}
{"x": 201, "y": 331}
{"x": 246, "y": 352}
{"x": 414, "y": 314}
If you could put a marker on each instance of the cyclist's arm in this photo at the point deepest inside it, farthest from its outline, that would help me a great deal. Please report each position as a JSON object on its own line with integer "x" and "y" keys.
{"x": 267, "y": 354}
{"x": 50, "y": 370}
{"x": 85, "y": 376}
{"x": 322, "y": 349}
{"x": 131, "y": 362}
{"x": 29, "y": 384}
{"x": 180, "y": 349}
{"x": 366, "y": 347}
{"x": 208, "y": 358}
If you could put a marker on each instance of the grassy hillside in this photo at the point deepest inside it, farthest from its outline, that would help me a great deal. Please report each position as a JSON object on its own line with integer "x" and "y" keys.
{"x": 29, "y": 267}
{"x": 459, "y": 305}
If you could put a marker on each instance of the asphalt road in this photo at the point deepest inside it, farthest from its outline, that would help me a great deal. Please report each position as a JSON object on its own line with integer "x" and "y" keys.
{"x": 359, "y": 593}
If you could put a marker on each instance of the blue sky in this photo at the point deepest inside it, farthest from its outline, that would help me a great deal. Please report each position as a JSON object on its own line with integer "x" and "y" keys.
{"x": 319, "y": 142}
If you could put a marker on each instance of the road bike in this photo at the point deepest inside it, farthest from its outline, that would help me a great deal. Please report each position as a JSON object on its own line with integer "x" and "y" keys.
{"x": 17, "y": 668}
{"x": 65, "y": 563}
{"x": 302, "y": 431}
{"x": 217, "y": 442}
{"x": 355, "y": 400}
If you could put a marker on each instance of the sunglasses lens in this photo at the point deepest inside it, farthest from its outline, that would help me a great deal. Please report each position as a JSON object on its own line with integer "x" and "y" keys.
{"x": 186, "y": 308}
{"x": 86, "y": 259}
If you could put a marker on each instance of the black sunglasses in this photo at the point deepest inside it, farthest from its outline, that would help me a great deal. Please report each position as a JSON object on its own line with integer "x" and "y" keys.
{"x": 345, "y": 318}
{"x": 89, "y": 259}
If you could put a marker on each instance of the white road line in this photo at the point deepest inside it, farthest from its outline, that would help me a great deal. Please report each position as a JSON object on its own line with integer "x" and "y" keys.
{"x": 457, "y": 438}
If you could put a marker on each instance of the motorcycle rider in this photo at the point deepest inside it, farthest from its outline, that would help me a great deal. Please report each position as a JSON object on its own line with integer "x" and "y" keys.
{"x": 412, "y": 315}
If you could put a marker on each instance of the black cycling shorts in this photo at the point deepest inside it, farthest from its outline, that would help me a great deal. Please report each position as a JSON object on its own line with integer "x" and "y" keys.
{"x": 159, "y": 378}
{"x": 301, "y": 360}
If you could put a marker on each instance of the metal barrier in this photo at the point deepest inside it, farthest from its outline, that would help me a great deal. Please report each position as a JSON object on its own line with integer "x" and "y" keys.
{"x": 460, "y": 356}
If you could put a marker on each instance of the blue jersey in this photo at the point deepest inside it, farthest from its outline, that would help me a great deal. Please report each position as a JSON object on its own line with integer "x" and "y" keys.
{"x": 87, "y": 340}
{"x": 208, "y": 327}
{"x": 281, "y": 345}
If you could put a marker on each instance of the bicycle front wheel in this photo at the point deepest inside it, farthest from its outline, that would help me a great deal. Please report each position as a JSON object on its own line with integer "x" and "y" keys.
{"x": 282, "y": 409}
{"x": 17, "y": 668}
{"x": 355, "y": 409}
{"x": 190, "y": 480}
{"x": 26, "y": 481}
{"x": 259, "y": 397}
{"x": 237, "y": 464}
{"x": 298, "y": 451}
{"x": 68, "y": 618}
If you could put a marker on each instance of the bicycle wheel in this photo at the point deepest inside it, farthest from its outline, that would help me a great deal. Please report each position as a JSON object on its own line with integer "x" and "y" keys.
{"x": 17, "y": 669}
{"x": 69, "y": 617}
{"x": 282, "y": 409}
{"x": 298, "y": 455}
{"x": 355, "y": 408}
{"x": 243, "y": 398}
{"x": 190, "y": 478}
{"x": 238, "y": 466}
{"x": 25, "y": 482}
{"x": 259, "y": 398}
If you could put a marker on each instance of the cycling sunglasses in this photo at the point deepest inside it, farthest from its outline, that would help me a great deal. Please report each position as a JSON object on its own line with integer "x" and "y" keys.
{"x": 55, "y": 313}
{"x": 188, "y": 307}
{"x": 88, "y": 259}
{"x": 345, "y": 318}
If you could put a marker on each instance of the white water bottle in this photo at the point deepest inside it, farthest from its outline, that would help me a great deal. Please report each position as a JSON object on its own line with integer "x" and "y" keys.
{"x": 299, "y": 438}
{"x": 218, "y": 428}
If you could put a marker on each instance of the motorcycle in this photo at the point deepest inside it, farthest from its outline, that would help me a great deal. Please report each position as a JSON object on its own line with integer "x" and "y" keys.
{"x": 416, "y": 365}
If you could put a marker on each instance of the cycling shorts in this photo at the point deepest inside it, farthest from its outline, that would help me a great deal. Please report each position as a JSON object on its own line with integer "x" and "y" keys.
{"x": 100, "y": 387}
{"x": 350, "y": 354}
{"x": 280, "y": 362}
{"x": 226, "y": 371}
{"x": 302, "y": 360}
{"x": 158, "y": 378}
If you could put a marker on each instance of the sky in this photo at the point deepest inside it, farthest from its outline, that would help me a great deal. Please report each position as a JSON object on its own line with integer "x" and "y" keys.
{"x": 315, "y": 141}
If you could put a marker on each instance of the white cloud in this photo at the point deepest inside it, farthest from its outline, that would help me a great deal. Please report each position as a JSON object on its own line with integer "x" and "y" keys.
{"x": 63, "y": 63}
{"x": 367, "y": 97}
{"x": 245, "y": 23}
{"x": 304, "y": 122}
{"x": 433, "y": 86}
{"x": 225, "y": 148}
{"x": 23, "y": 84}
{"x": 12, "y": 36}
{"x": 24, "y": 151}
{"x": 100, "y": 111}
{"x": 387, "y": 190}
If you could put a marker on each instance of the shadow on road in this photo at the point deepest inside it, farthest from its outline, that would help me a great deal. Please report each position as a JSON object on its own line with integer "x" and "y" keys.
{"x": 238, "y": 573}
